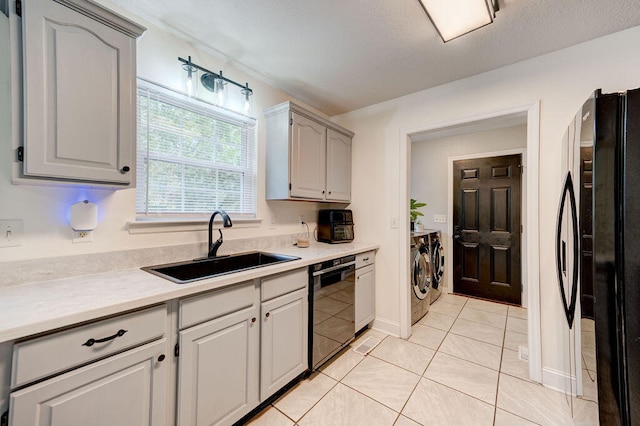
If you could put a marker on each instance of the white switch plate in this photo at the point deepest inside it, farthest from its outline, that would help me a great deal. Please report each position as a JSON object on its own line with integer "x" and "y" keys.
{"x": 440, "y": 218}
{"x": 394, "y": 223}
{"x": 11, "y": 232}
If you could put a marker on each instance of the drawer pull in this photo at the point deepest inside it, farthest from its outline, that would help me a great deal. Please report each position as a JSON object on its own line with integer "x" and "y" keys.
{"x": 91, "y": 342}
{"x": 267, "y": 314}
{"x": 365, "y": 259}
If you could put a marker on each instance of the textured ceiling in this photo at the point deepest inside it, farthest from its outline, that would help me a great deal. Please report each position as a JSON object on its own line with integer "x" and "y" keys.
{"x": 341, "y": 55}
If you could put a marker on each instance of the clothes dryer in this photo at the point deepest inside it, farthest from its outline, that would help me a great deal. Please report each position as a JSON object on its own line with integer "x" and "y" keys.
{"x": 421, "y": 275}
{"x": 437, "y": 264}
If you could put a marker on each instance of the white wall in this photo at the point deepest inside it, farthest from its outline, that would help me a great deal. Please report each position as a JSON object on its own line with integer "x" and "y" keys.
{"x": 561, "y": 81}
{"x": 44, "y": 210}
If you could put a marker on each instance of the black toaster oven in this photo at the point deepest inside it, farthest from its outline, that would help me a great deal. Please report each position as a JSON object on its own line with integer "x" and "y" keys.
{"x": 335, "y": 226}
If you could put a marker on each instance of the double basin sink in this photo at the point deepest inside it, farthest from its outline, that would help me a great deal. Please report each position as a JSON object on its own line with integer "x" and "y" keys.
{"x": 199, "y": 269}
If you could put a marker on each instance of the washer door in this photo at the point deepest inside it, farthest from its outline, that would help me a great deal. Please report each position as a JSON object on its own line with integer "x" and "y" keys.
{"x": 421, "y": 276}
{"x": 438, "y": 263}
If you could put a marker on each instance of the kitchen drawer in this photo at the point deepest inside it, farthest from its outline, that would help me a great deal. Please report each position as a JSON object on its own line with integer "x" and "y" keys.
{"x": 198, "y": 309}
{"x": 277, "y": 285}
{"x": 366, "y": 258}
{"x": 47, "y": 355}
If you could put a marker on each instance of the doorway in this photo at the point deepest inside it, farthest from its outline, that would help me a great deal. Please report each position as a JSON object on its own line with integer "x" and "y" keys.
{"x": 487, "y": 228}
{"x": 530, "y": 247}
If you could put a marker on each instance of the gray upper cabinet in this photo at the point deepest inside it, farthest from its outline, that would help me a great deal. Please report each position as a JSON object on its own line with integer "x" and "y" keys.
{"x": 308, "y": 157}
{"x": 78, "y": 86}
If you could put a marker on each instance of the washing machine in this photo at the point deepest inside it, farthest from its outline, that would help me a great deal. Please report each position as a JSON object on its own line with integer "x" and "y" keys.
{"x": 421, "y": 275}
{"x": 437, "y": 264}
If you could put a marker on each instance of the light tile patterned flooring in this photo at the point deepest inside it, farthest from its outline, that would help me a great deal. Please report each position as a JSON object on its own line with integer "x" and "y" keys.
{"x": 459, "y": 367}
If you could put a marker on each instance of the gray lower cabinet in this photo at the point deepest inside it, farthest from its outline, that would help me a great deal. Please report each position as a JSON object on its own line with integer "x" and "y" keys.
{"x": 365, "y": 289}
{"x": 126, "y": 389}
{"x": 218, "y": 369}
{"x": 284, "y": 341}
{"x": 103, "y": 374}
{"x": 239, "y": 345}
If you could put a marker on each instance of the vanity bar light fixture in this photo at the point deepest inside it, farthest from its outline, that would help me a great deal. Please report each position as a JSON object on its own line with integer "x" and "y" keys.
{"x": 214, "y": 82}
{"x": 453, "y": 18}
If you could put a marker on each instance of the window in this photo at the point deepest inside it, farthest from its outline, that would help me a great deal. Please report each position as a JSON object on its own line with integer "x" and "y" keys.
{"x": 192, "y": 157}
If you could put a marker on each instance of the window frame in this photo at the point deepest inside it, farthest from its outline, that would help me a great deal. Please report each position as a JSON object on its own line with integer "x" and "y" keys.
{"x": 249, "y": 152}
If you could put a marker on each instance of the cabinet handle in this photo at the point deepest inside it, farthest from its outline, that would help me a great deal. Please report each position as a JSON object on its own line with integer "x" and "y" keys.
{"x": 267, "y": 314}
{"x": 125, "y": 169}
{"x": 365, "y": 259}
{"x": 91, "y": 342}
{"x": 253, "y": 319}
{"x": 161, "y": 358}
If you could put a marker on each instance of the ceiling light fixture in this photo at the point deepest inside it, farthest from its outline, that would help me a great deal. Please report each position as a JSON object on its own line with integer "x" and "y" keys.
{"x": 216, "y": 83}
{"x": 453, "y": 18}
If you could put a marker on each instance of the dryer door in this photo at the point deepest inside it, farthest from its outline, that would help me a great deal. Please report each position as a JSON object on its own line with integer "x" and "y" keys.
{"x": 438, "y": 263}
{"x": 421, "y": 276}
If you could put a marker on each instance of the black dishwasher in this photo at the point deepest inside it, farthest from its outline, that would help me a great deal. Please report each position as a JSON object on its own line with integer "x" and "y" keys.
{"x": 331, "y": 308}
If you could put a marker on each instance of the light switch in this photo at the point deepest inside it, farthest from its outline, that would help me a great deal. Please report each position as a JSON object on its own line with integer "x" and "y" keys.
{"x": 10, "y": 232}
{"x": 394, "y": 223}
{"x": 440, "y": 218}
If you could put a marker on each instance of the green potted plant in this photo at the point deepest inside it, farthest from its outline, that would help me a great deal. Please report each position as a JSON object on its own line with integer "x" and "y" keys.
{"x": 414, "y": 205}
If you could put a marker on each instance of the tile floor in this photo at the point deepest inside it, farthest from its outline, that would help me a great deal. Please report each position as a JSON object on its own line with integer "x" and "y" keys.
{"x": 459, "y": 367}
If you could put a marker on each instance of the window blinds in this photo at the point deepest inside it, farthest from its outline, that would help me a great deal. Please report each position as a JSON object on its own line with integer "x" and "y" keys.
{"x": 192, "y": 158}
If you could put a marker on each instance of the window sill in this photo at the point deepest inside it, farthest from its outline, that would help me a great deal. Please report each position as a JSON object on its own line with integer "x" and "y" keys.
{"x": 152, "y": 226}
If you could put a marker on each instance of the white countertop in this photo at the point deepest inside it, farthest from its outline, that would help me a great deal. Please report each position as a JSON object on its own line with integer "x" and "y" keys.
{"x": 39, "y": 307}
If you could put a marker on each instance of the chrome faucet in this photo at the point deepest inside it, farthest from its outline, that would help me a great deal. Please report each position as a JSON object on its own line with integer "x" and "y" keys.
{"x": 226, "y": 222}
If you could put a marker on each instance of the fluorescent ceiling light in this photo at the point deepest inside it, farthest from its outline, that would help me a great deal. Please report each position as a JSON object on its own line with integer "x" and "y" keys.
{"x": 453, "y": 18}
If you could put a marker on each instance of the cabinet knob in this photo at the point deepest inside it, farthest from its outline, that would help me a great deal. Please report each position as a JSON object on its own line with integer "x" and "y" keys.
{"x": 125, "y": 169}
{"x": 253, "y": 319}
{"x": 267, "y": 314}
{"x": 161, "y": 358}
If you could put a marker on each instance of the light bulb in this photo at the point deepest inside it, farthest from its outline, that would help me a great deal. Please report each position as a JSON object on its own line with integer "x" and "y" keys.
{"x": 192, "y": 72}
{"x": 190, "y": 84}
{"x": 246, "y": 92}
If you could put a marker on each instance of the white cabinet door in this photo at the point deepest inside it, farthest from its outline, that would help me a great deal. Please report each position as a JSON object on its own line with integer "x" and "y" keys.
{"x": 365, "y": 296}
{"x": 308, "y": 158}
{"x": 338, "y": 166}
{"x": 218, "y": 370}
{"x": 79, "y": 96}
{"x": 284, "y": 341}
{"x": 125, "y": 389}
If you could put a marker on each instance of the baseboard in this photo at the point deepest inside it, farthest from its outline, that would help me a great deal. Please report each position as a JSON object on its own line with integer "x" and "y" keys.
{"x": 559, "y": 381}
{"x": 389, "y": 327}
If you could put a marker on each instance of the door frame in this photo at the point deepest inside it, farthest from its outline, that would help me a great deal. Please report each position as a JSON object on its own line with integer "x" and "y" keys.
{"x": 532, "y": 113}
{"x": 523, "y": 213}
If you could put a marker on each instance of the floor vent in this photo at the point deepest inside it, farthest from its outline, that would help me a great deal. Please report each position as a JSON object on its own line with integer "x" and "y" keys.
{"x": 523, "y": 353}
{"x": 367, "y": 346}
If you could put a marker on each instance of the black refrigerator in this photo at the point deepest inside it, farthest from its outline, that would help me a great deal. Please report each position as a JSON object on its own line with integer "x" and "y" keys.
{"x": 616, "y": 255}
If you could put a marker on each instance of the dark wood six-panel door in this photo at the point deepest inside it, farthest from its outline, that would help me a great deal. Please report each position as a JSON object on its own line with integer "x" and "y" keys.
{"x": 487, "y": 228}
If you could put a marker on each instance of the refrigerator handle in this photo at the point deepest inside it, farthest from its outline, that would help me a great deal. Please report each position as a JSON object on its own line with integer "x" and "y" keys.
{"x": 568, "y": 192}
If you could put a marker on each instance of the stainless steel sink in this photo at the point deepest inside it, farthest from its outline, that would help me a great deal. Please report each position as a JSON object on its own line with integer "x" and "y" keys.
{"x": 199, "y": 269}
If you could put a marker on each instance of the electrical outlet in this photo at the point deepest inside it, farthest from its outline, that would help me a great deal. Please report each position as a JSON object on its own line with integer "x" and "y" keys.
{"x": 10, "y": 233}
{"x": 302, "y": 221}
{"x": 82, "y": 237}
{"x": 440, "y": 218}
